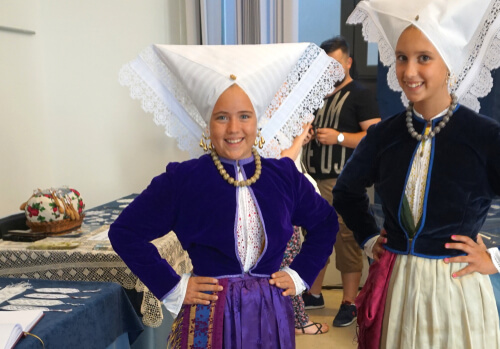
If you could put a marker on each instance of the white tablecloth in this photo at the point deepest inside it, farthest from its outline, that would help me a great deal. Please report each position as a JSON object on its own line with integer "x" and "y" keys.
{"x": 86, "y": 263}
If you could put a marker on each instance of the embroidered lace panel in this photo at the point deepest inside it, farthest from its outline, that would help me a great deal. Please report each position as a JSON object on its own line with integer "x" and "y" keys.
{"x": 249, "y": 229}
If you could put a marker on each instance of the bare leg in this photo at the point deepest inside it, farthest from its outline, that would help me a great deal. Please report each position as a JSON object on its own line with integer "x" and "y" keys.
{"x": 318, "y": 283}
{"x": 350, "y": 284}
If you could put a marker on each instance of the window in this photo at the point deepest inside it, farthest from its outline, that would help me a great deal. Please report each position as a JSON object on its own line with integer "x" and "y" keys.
{"x": 227, "y": 22}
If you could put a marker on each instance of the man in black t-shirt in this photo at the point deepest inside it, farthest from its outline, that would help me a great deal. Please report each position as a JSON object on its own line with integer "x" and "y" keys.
{"x": 338, "y": 128}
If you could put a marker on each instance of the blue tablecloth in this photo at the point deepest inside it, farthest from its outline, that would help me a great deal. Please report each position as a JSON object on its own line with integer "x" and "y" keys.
{"x": 106, "y": 214}
{"x": 105, "y": 316}
{"x": 491, "y": 227}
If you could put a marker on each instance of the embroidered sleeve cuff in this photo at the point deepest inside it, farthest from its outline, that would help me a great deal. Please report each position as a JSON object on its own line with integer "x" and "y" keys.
{"x": 300, "y": 285}
{"x": 368, "y": 247}
{"x": 173, "y": 300}
{"x": 495, "y": 257}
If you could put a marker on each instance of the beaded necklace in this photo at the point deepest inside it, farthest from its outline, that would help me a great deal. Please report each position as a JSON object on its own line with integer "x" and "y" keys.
{"x": 437, "y": 129}
{"x": 231, "y": 180}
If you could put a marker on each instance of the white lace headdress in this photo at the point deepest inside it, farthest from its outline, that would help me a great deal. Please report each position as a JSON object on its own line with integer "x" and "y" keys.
{"x": 180, "y": 84}
{"x": 465, "y": 33}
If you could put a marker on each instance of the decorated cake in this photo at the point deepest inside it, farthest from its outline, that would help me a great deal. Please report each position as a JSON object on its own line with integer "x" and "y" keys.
{"x": 54, "y": 210}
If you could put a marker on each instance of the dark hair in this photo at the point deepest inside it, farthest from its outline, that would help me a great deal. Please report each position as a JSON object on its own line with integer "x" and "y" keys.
{"x": 335, "y": 43}
{"x": 339, "y": 42}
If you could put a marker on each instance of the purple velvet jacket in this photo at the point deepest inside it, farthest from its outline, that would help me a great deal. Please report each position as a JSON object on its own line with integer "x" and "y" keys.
{"x": 193, "y": 200}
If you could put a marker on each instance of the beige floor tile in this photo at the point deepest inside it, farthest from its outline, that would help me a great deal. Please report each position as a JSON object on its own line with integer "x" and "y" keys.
{"x": 337, "y": 337}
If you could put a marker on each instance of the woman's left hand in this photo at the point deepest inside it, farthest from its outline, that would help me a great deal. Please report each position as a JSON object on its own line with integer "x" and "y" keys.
{"x": 477, "y": 256}
{"x": 284, "y": 281}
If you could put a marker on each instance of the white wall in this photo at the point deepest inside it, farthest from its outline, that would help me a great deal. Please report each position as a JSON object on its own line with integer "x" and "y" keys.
{"x": 65, "y": 119}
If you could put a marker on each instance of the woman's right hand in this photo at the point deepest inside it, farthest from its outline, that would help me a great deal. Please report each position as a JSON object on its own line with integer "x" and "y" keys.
{"x": 308, "y": 133}
{"x": 196, "y": 288}
{"x": 305, "y": 136}
{"x": 378, "y": 249}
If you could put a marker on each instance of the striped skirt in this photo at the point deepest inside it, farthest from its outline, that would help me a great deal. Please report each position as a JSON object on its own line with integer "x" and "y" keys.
{"x": 426, "y": 308}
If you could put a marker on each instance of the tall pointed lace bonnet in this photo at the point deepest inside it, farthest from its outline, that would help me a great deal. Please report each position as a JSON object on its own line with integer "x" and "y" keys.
{"x": 465, "y": 33}
{"x": 180, "y": 84}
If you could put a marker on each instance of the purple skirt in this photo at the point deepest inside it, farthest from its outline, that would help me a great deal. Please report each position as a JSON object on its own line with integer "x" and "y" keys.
{"x": 256, "y": 315}
{"x": 250, "y": 313}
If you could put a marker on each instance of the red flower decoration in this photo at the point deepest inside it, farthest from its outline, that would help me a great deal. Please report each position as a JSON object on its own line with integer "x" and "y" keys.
{"x": 32, "y": 211}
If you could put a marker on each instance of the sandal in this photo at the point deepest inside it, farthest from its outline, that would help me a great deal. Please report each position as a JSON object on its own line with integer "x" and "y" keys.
{"x": 318, "y": 325}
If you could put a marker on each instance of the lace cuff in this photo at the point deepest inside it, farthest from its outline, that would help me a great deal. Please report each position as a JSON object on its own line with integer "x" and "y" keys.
{"x": 300, "y": 285}
{"x": 495, "y": 257}
{"x": 173, "y": 300}
{"x": 368, "y": 247}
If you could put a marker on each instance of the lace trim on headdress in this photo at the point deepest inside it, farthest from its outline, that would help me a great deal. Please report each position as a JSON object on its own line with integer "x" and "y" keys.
{"x": 161, "y": 94}
{"x": 311, "y": 79}
{"x": 473, "y": 81}
{"x": 371, "y": 33}
{"x": 160, "y": 100}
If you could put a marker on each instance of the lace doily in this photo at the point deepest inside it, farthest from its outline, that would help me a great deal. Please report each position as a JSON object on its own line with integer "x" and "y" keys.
{"x": 161, "y": 94}
{"x": 13, "y": 290}
{"x": 85, "y": 263}
{"x": 473, "y": 80}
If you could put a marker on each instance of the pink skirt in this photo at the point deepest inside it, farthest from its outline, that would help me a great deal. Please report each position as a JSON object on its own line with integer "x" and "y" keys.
{"x": 371, "y": 302}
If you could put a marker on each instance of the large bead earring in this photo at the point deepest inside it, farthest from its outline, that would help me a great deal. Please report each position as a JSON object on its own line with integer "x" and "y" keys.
{"x": 205, "y": 142}
{"x": 451, "y": 80}
{"x": 261, "y": 140}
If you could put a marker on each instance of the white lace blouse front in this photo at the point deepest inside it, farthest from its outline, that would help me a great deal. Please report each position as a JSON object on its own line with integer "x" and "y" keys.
{"x": 417, "y": 180}
{"x": 250, "y": 234}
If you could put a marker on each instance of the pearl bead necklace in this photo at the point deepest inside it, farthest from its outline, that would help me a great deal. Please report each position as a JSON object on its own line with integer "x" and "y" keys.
{"x": 437, "y": 129}
{"x": 231, "y": 180}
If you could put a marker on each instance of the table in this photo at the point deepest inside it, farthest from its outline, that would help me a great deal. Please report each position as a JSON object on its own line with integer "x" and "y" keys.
{"x": 102, "y": 318}
{"x": 491, "y": 227}
{"x": 93, "y": 259}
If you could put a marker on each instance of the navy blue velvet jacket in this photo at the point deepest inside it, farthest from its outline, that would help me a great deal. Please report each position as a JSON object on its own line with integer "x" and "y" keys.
{"x": 193, "y": 200}
{"x": 463, "y": 178}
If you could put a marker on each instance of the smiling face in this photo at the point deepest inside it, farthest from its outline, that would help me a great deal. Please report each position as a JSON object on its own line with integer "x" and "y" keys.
{"x": 421, "y": 72}
{"x": 233, "y": 124}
